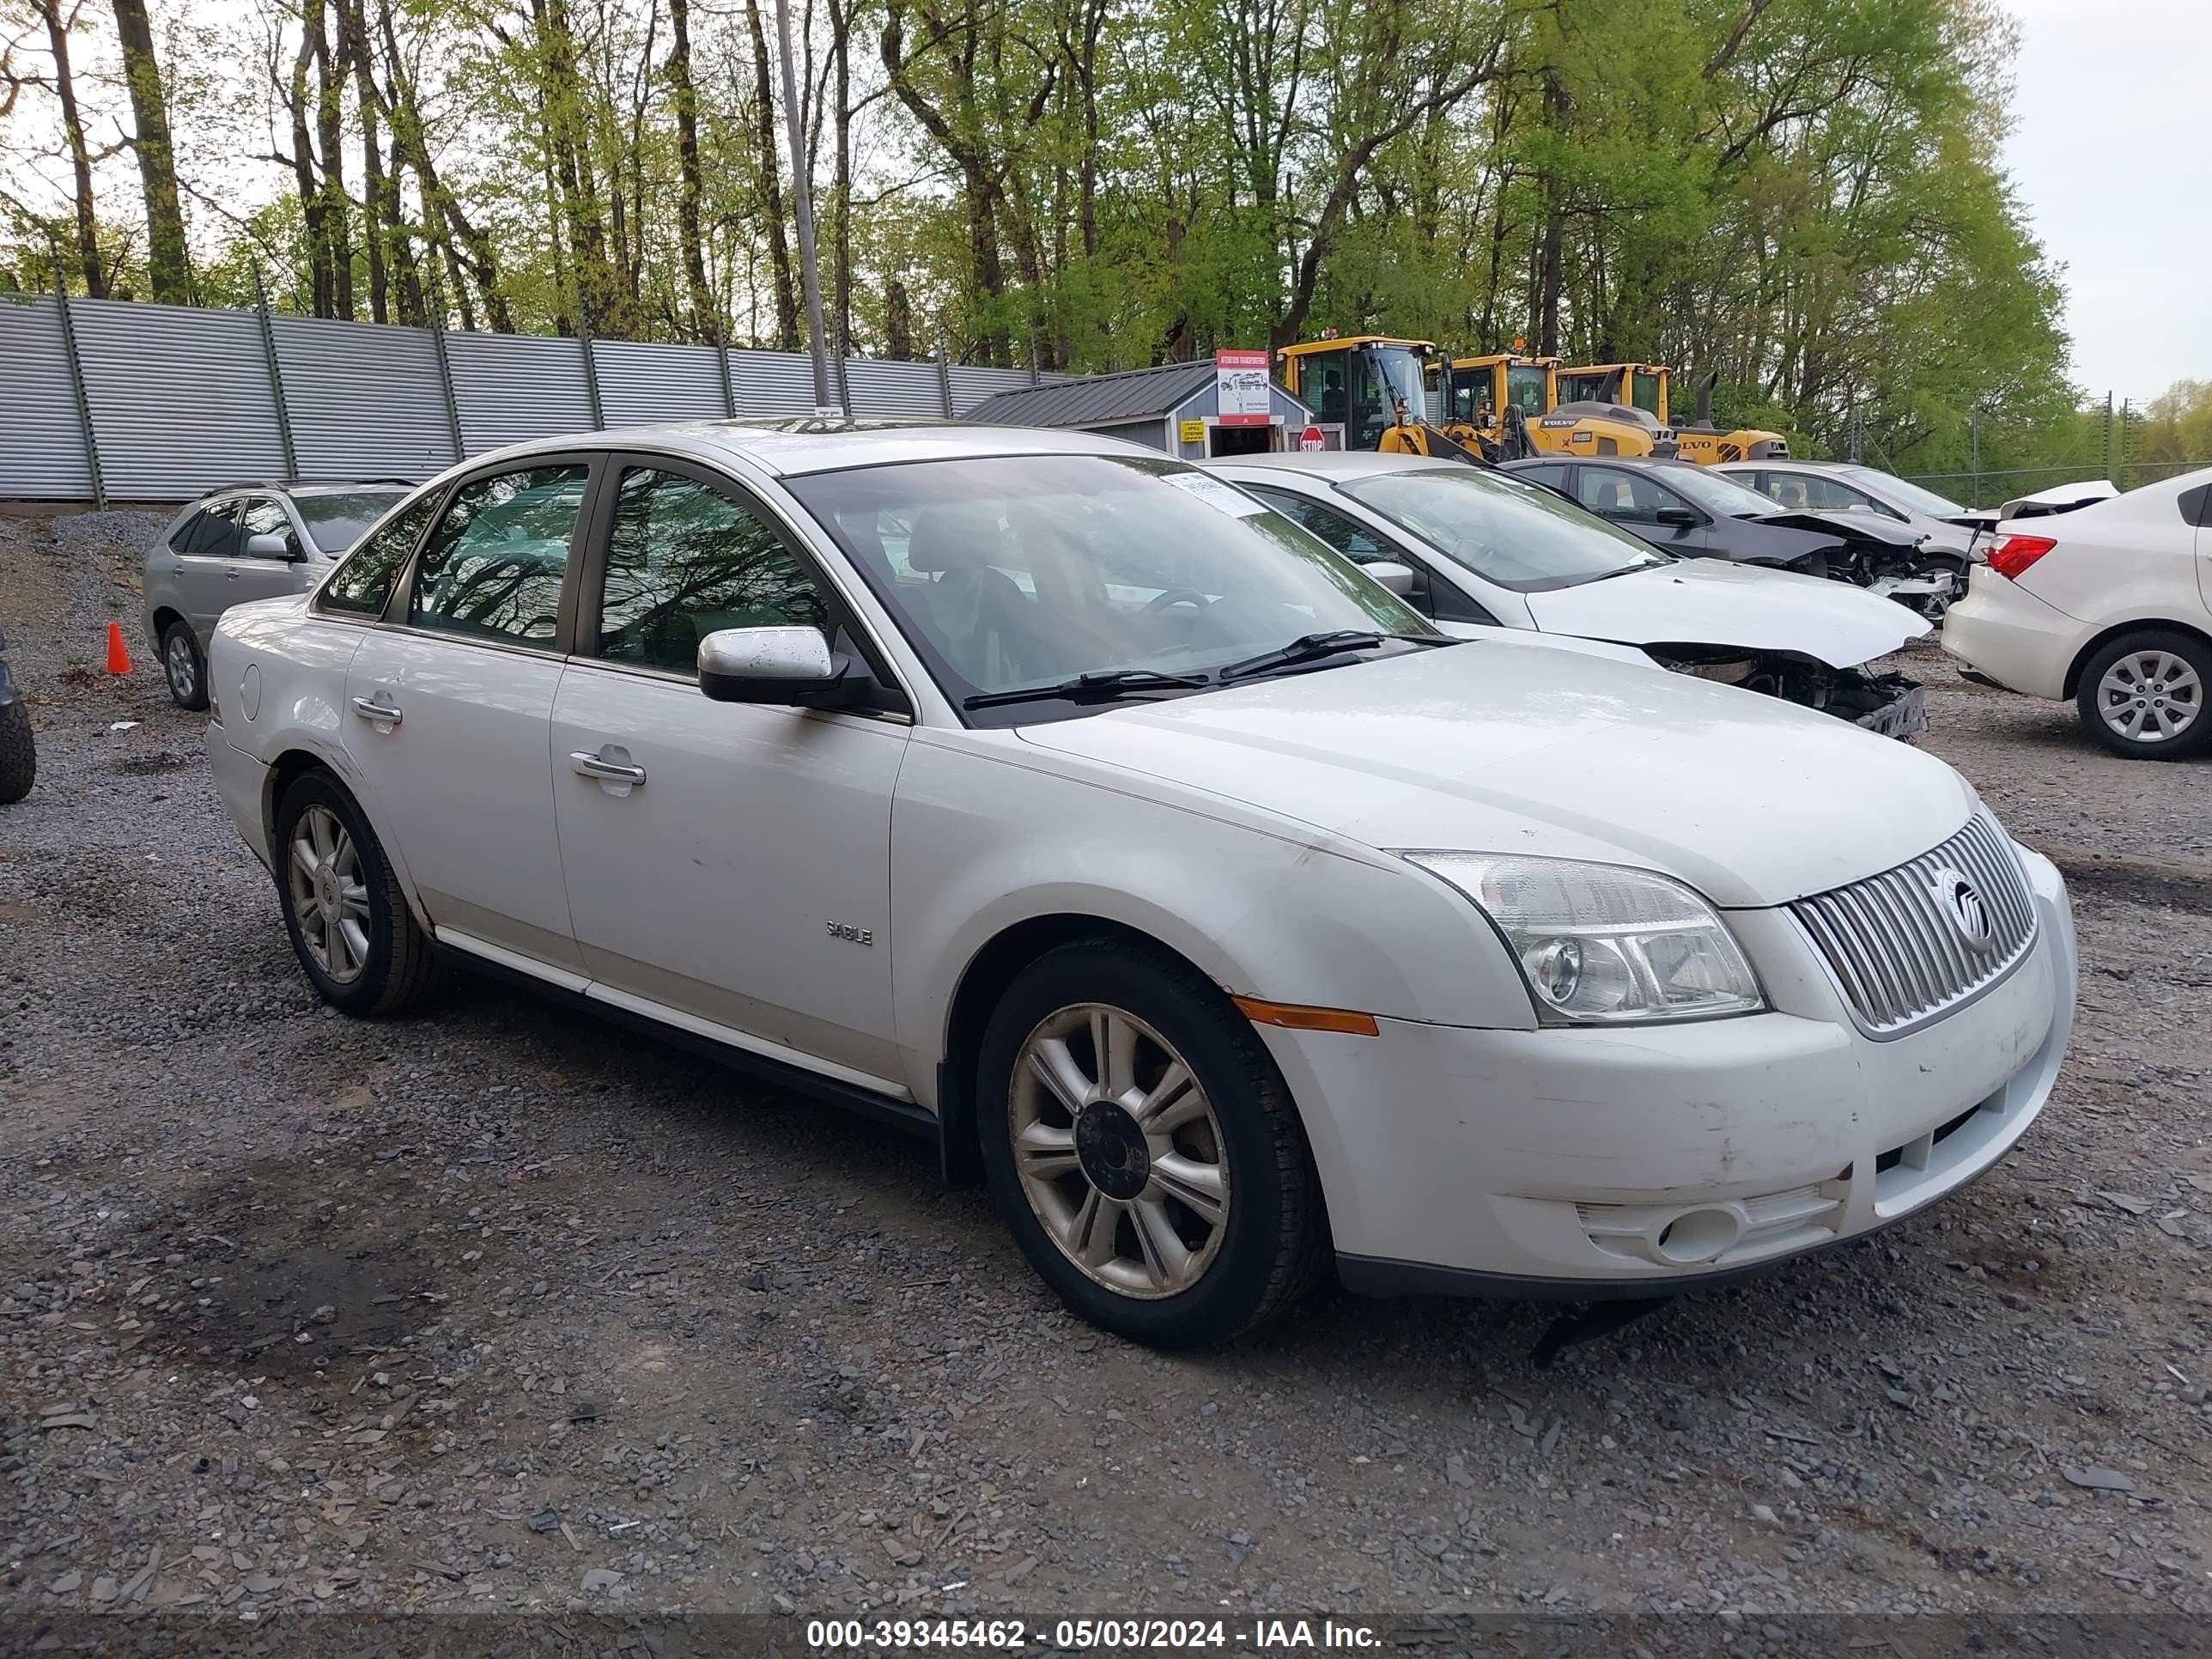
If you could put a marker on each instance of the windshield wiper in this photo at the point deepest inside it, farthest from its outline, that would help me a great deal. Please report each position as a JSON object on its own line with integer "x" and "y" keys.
{"x": 1112, "y": 682}
{"x": 1312, "y": 647}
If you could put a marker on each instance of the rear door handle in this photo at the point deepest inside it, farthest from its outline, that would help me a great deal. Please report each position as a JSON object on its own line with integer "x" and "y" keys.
{"x": 598, "y": 766}
{"x": 383, "y": 713}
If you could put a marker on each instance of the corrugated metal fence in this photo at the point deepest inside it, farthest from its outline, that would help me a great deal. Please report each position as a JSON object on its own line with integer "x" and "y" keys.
{"x": 117, "y": 401}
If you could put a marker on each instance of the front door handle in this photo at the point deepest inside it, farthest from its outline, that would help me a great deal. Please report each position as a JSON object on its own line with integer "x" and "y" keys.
{"x": 602, "y": 767}
{"x": 383, "y": 713}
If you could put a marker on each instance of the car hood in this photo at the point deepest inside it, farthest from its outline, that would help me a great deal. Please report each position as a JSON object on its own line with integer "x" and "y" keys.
{"x": 1753, "y": 800}
{"x": 1850, "y": 526}
{"x": 1717, "y": 602}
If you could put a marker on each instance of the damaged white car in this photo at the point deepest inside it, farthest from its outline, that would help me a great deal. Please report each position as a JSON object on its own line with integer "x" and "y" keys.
{"x": 1475, "y": 549}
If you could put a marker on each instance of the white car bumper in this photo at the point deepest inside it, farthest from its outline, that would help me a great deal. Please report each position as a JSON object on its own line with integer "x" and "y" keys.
{"x": 2003, "y": 633}
{"x": 1637, "y": 1162}
{"x": 241, "y": 780}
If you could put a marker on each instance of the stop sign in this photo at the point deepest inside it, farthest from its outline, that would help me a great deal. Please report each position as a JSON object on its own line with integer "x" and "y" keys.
{"x": 1311, "y": 439}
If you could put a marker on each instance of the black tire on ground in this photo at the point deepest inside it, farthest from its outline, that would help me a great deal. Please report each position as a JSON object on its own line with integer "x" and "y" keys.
{"x": 2089, "y": 696}
{"x": 19, "y": 754}
{"x": 401, "y": 966}
{"x": 188, "y": 686}
{"x": 1275, "y": 1238}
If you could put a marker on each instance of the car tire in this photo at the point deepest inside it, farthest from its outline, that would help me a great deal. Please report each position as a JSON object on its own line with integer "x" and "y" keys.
{"x": 343, "y": 909}
{"x": 2157, "y": 677}
{"x": 1081, "y": 1177}
{"x": 18, "y": 754}
{"x": 184, "y": 666}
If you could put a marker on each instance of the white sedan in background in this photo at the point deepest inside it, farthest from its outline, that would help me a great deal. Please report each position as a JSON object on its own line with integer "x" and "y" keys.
{"x": 1485, "y": 549}
{"x": 1056, "y": 800}
{"x": 2109, "y": 604}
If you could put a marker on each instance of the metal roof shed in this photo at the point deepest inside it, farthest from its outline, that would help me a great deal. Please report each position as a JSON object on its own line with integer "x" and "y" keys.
{"x": 1174, "y": 409}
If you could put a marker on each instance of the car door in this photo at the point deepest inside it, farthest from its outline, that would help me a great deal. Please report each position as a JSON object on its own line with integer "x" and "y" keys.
{"x": 263, "y": 574}
{"x": 447, "y": 705}
{"x": 1437, "y": 594}
{"x": 204, "y": 565}
{"x": 1641, "y": 505}
{"x": 729, "y": 862}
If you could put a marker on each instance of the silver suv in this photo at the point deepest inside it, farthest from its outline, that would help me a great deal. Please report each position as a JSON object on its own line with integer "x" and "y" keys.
{"x": 250, "y": 542}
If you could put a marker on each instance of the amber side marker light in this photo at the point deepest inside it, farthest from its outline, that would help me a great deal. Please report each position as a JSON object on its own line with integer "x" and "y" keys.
{"x": 1297, "y": 1017}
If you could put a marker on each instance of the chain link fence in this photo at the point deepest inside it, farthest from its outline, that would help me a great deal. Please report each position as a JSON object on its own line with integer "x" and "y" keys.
{"x": 104, "y": 400}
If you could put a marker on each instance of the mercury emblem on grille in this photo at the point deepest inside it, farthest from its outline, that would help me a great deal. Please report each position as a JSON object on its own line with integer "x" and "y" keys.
{"x": 1962, "y": 903}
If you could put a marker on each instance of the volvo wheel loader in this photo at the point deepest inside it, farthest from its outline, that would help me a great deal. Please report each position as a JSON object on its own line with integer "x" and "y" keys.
{"x": 1368, "y": 391}
{"x": 1707, "y": 445}
{"x": 1647, "y": 386}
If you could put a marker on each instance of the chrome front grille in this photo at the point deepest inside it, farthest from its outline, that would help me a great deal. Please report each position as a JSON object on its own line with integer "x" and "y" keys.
{"x": 1896, "y": 942}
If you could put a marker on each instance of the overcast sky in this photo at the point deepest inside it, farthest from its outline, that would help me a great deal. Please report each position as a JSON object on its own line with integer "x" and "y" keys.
{"x": 2112, "y": 151}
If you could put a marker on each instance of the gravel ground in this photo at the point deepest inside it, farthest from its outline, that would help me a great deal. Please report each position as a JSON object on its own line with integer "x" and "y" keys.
{"x": 493, "y": 1309}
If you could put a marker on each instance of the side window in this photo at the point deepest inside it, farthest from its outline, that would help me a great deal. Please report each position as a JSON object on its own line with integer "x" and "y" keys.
{"x": 2196, "y": 505}
{"x": 492, "y": 568}
{"x": 215, "y": 535}
{"x": 263, "y": 517}
{"x": 181, "y": 541}
{"x": 1355, "y": 541}
{"x": 1624, "y": 498}
{"x": 684, "y": 560}
{"x": 1553, "y": 477}
{"x": 361, "y": 586}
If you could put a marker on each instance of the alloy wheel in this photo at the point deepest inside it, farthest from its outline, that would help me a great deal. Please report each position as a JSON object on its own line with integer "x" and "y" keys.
{"x": 1119, "y": 1150}
{"x": 329, "y": 898}
{"x": 2150, "y": 696}
{"x": 184, "y": 672}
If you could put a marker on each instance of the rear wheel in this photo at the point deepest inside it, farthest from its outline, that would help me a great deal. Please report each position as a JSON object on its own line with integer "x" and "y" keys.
{"x": 347, "y": 920}
{"x": 2143, "y": 696}
{"x": 1143, "y": 1148}
{"x": 183, "y": 666}
{"x": 19, "y": 754}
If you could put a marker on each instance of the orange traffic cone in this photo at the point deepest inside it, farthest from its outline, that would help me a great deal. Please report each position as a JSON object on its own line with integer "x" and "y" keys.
{"x": 118, "y": 657}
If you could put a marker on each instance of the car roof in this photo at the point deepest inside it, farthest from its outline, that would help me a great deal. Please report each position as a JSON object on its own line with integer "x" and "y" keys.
{"x": 1334, "y": 463}
{"x": 302, "y": 487}
{"x": 789, "y": 448}
{"x": 1652, "y": 461}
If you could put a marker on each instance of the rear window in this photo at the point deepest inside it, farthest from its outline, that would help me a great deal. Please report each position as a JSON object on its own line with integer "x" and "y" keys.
{"x": 181, "y": 541}
{"x": 363, "y": 585}
{"x": 338, "y": 519}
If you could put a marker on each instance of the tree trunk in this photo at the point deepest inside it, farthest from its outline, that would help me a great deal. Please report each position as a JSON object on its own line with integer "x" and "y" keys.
{"x": 705, "y": 320}
{"x": 770, "y": 177}
{"x": 311, "y": 189}
{"x": 898, "y": 321}
{"x": 329, "y": 132}
{"x": 841, "y": 24}
{"x": 168, "y": 265}
{"x": 1555, "y": 230}
{"x": 88, "y": 232}
{"x": 380, "y": 191}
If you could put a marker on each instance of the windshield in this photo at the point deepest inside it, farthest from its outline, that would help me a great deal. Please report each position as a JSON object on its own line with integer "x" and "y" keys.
{"x": 1518, "y": 535}
{"x": 1897, "y": 492}
{"x": 1715, "y": 492}
{"x": 1009, "y": 572}
{"x": 335, "y": 520}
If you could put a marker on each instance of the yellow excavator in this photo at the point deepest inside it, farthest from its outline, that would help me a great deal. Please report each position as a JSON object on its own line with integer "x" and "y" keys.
{"x": 1646, "y": 385}
{"x": 1368, "y": 391}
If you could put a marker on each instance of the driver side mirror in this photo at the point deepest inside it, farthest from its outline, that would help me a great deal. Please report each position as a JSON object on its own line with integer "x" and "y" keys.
{"x": 1678, "y": 518}
{"x": 271, "y": 545}
{"x": 1400, "y": 579}
{"x": 790, "y": 667}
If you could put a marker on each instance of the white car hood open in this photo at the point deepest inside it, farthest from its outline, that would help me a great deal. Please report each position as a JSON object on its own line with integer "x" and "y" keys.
{"x": 1719, "y": 602}
{"x": 1753, "y": 800}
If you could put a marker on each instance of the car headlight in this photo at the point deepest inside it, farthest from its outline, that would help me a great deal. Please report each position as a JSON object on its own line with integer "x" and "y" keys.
{"x": 1601, "y": 943}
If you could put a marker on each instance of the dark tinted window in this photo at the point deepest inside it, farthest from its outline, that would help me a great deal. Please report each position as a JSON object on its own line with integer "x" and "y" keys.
{"x": 363, "y": 585}
{"x": 2196, "y": 504}
{"x": 181, "y": 541}
{"x": 1354, "y": 540}
{"x": 215, "y": 535}
{"x": 492, "y": 569}
{"x": 684, "y": 560}
{"x": 335, "y": 520}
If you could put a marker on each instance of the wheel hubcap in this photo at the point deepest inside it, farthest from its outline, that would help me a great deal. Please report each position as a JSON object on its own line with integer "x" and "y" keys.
{"x": 2148, "y": 696}
{"x": 1119, "y": 1150}
{"x": 180, "y": 665}
{"x": 330, "y": 899}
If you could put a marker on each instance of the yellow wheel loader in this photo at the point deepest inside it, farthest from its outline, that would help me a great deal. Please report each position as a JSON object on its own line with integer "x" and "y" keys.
{"x": 1706, "y": 443}
{"x": 1367, "y": 392}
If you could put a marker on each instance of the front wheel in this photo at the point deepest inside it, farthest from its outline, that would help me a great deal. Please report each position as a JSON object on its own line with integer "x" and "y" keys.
{"x": 1143, "y": 1148}
{"x": 2142, "y": 695}
{"x": 348, "y": 921}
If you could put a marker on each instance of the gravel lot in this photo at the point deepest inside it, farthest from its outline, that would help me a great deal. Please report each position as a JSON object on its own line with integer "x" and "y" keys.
{"x": 493, "y": 1309}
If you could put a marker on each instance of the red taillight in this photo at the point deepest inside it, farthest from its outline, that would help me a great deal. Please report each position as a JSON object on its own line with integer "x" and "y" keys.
{"x": 2012, "y": 560}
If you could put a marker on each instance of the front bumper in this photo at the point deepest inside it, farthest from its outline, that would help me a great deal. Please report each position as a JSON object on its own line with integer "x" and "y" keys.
{"x": 1643, "y": 1160}
{"x": 2004, "y": 634}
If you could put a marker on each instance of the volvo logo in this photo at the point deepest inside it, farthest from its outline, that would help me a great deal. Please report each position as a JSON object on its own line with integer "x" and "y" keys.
{"x": 1964, "y": 907}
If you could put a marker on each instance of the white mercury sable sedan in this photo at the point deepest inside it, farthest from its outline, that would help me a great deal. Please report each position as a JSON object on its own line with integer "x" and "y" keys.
{"x": 1064, "y": 802}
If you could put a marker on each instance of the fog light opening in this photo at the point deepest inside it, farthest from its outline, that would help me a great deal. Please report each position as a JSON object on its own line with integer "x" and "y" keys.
{"x": 1696, "y": 1235}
